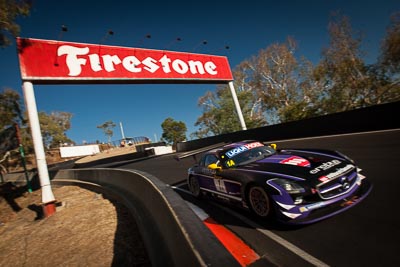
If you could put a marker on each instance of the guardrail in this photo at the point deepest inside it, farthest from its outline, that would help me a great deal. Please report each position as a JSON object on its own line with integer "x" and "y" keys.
{"x": 172, "y": 233}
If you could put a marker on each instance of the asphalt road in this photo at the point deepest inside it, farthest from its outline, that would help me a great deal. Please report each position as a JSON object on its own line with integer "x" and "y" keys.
{"x": 365, "y": 235}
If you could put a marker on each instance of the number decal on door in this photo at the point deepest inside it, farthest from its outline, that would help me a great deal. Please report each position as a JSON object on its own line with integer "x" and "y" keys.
{"x": 220, "y": 185}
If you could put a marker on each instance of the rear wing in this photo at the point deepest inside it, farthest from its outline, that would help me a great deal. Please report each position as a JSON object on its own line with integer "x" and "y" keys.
{"x": 195, "y": 152}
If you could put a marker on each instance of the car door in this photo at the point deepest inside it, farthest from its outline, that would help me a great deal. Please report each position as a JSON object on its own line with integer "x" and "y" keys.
{"x": 215, "y": 182}
{"x": 205, "y": 175}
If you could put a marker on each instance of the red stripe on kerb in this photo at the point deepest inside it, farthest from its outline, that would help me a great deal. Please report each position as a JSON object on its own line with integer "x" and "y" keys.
{"x": 239, "y": 250}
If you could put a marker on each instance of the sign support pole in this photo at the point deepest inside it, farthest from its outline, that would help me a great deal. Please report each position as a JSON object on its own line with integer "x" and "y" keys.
{"x": 48, "y": 199}
{"x": 238, "y": 110}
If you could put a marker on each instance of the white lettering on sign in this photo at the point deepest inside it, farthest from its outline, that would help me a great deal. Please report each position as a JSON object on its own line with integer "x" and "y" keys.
{"x": 75, "y": 60}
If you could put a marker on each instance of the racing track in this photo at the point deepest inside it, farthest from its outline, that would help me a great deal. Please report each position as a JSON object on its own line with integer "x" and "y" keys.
{"x": 365, "y": 235}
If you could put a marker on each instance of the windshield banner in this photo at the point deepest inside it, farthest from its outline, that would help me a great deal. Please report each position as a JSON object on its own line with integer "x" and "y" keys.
{"x": 48, "y": 61}
{"x": 237, "y": 150}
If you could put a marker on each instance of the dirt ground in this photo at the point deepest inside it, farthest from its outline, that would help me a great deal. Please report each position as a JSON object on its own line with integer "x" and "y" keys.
{"x": 88, "y": 229}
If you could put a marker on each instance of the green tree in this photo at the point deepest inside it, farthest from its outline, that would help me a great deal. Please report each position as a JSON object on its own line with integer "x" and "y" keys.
{"x": 350, "y": 83}
{"x": 220, "y": 115}
{"x": 173, "y": 131}
{"x": 10, "y": 111}
{"x": 308, "y": 98}
{"x": 10, "y": 114}
{"x": 107, "y": 128}
{"x": 272, "y": 87}
{"x": 390, "y": 57}
{"x": 387, "y": 70}
{"x": 342, "y": 70}
{"x": 9, "y": 11}
{"x": 53, "y": 128}
{"x": 283, "y": 84}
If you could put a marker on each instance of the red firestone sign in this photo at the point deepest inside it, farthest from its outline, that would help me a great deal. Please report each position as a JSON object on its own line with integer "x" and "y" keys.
{"x": 50, "y": 62}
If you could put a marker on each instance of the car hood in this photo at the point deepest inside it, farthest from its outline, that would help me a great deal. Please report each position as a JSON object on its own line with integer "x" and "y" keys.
{"x": 301, "y": 165}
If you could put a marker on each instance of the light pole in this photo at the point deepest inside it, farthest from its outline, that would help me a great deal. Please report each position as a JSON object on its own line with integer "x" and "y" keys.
{"x": 122, "y": 131}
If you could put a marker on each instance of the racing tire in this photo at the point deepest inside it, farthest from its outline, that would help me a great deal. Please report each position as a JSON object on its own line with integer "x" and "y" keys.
{"x": 194, "y": 186}
{"x": 259, "y": 202}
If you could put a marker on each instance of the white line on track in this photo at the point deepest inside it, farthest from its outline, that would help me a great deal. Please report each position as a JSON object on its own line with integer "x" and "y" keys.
{"x": 296, "y": 250}
{"x": 301, "y": 253}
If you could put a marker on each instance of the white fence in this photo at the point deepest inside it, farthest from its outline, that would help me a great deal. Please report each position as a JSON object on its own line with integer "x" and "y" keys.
{"x": 76, "y": 151}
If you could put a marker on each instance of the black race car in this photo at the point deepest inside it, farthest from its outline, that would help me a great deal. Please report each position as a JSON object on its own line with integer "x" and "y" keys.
{"x": 293, "y": 186}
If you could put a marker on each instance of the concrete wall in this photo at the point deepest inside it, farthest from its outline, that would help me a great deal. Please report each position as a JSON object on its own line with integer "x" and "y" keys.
{"x": 379, "y": 117}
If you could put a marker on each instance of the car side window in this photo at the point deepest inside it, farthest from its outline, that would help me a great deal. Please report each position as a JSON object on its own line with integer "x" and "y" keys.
{"x": 202, "y": 160}
{"x": 209, "y": 159}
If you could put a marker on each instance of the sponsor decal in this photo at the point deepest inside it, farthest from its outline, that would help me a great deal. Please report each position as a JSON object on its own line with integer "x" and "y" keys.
{"x": 349, "y": 202}
{"x": 323, "y": 179}
{"x": 313, "y": 191}
{"x": 56, "y": 60}
{"x": 291, "y": 215}
{"x": 325, "y": 166}
{"x": 337, "y": 173}
{"x": 314, "y": 206}
{"x": 303, "y": 209}
{"x": 220, "y": 185}
{"x": 297, "y": 161}
{"x": 240, "y": 149}
{"x": 230, "y": 163}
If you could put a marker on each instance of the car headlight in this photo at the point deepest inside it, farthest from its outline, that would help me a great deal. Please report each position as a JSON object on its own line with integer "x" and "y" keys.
{"x": 289, "y": 186}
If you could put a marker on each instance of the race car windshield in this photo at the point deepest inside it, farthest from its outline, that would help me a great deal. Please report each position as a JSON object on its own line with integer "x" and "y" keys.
{"x": 249, "y": 156}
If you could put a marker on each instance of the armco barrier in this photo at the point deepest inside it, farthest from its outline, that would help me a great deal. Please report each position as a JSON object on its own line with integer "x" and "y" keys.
{"x": 173, "y": 234}
{"x": 374, "y": 118}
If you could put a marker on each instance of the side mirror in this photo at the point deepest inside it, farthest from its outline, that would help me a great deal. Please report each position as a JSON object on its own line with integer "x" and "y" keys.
{"x": 274, "y": 146}
{"x": 214, "y": 166}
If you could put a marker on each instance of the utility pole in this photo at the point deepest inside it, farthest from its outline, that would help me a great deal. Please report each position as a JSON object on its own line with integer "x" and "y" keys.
{"x": 122, "y": 131}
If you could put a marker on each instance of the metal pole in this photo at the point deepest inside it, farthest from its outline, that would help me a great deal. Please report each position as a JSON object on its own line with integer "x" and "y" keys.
{"x": 48, "y": 199}
{"x": 238, "y": 110}
{"x": 122, "y": 131}
{"x": 22, "y": 153}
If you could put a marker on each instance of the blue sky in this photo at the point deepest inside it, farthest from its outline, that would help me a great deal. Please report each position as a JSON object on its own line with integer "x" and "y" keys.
{"x": 246, "y": 27}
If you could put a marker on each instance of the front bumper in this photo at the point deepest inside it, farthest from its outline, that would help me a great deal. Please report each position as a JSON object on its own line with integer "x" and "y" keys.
{"x": 312, "y": 213}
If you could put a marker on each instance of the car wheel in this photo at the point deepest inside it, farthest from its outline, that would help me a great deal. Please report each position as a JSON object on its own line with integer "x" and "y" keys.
{"x": 259, "y": 201}
{"x": 194, "y": 186}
